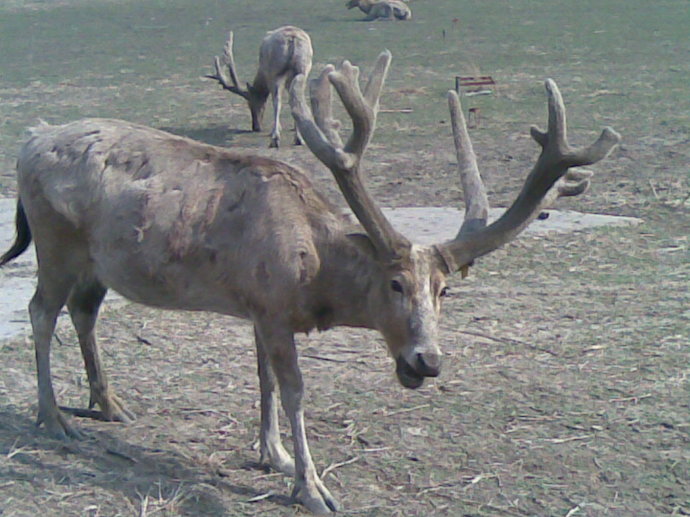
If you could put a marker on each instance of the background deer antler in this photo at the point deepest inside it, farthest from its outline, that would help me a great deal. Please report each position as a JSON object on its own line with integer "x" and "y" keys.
{"x": 232, "y": 82}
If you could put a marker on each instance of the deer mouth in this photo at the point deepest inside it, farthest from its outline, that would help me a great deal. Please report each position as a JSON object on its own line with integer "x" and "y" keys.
{"x": 408, "y": 376}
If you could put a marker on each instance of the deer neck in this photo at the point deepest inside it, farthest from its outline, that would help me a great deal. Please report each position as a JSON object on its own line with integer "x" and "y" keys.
{"x": 342, "y": 293}
{"x": 258, "y": 95}
{"x": 260, "y": 87}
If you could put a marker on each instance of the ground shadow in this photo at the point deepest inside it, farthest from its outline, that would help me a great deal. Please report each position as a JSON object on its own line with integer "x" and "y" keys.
{"x": 103, "y": 460}
{"x": 219, "y": 135}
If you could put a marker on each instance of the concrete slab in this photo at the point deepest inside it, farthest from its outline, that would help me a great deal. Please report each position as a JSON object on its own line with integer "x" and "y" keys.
{"x": 425, "y": 225}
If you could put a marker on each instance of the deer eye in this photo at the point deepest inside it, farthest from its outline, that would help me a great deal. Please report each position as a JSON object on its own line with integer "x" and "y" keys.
{"x": 444, "y": 292}
{"x": 396, "y": 286}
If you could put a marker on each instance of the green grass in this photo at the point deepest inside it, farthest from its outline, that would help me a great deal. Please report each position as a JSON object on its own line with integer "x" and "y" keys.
{"x": 143, "y": 61}
{"x": 633, "y": 51}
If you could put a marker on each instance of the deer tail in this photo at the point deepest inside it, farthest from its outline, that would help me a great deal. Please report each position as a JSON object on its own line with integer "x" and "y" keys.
{"x": 22, "y": 239}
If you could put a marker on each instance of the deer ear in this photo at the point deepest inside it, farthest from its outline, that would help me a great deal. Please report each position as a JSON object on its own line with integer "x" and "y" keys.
{"x": 364, "y": 243}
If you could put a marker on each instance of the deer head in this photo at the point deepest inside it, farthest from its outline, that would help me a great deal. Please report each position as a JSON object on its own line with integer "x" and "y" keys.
{"x": 412, "y": 279}
{"x": 226, "y": 75}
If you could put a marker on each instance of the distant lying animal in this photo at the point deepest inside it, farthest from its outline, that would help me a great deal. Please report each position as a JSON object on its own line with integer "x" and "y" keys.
{"x": 382, "y": 9}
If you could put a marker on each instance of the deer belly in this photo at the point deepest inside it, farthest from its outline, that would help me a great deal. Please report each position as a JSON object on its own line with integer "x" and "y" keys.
{"x": 174, "y": 285}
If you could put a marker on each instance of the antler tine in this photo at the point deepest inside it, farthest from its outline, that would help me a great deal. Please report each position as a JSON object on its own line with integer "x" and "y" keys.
{"x": 344, "y": 162}
{"x": 321, "y": 96}
{"x": 574, "y": 183}
{"x": 476, "y": 200}
{"x": 229, "y": 59}
{"x": 550, "y": 179}
{"x": 372, "y": 91}
{"x": 361, "y": 108}
{"x": 329, "y": 154}
{"x": 554, "y": 140}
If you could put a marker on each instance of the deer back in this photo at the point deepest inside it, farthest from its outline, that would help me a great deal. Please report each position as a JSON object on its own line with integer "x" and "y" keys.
{"x": 175, "y": 223}
{"x": 284, "y": 53}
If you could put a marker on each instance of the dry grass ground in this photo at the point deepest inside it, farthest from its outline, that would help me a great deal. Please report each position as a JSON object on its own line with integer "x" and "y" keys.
{"x": 565, "y": 390}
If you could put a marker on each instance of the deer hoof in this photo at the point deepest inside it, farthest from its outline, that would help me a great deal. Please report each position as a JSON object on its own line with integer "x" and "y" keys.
{"x": 114, "y": 410}
{"x": 315, "y": 497}
{"x": 57, "y": 425}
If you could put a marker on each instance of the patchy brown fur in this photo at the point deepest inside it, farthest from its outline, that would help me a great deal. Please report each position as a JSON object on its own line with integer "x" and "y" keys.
{"x": 178, "y": 224}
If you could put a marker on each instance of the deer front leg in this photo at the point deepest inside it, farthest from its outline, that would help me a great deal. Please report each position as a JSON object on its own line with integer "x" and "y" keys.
{"x": 276, "y": 95}
{"x": 272, "y": 451}
{"x": 280, "y": 348}
{"x": 44, "y": 309}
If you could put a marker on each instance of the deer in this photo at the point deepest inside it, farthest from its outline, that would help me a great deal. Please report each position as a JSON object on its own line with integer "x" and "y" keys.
{"x": 382, "y": 9}
{"x": 178, "y": 224}
{"x": 284, "y": 53}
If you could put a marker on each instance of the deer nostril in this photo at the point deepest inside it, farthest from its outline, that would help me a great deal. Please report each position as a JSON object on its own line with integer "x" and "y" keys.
{"x": 429, "y": 364}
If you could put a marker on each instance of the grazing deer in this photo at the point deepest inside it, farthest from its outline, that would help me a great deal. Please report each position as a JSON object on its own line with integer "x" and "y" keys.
{"x": 284, "y": 53}
{"x": 382, "y": 9}
{"x": 177, "y": 224}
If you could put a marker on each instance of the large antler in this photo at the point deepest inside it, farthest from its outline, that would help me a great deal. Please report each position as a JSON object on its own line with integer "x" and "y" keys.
{"x": 550, "y": 179}
{"x": 319, "y": 131}
{"x": 230, "y": 83}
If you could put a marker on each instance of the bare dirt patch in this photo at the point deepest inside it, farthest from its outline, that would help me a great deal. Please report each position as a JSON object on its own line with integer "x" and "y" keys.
{"x": 564, "y": 390}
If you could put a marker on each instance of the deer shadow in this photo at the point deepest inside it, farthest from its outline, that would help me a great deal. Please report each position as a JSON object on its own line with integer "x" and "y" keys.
{"x": 103, "y": 460}
{"x": 218, "y": 135}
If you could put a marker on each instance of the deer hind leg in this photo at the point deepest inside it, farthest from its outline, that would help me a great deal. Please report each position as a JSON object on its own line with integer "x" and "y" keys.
{"x": 288, "y": 85}
{"x": 279, "y": 346}
{"x": 44, "y": 308}
{"x": 298, "y": 136}
{"x": 276, "y": 95}
{"x": 83, "y": 303}
{"x": 272, "y": 451}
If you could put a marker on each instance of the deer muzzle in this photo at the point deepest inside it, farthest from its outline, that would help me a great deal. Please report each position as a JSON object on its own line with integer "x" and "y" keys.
{"x": 426, "y": 364}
